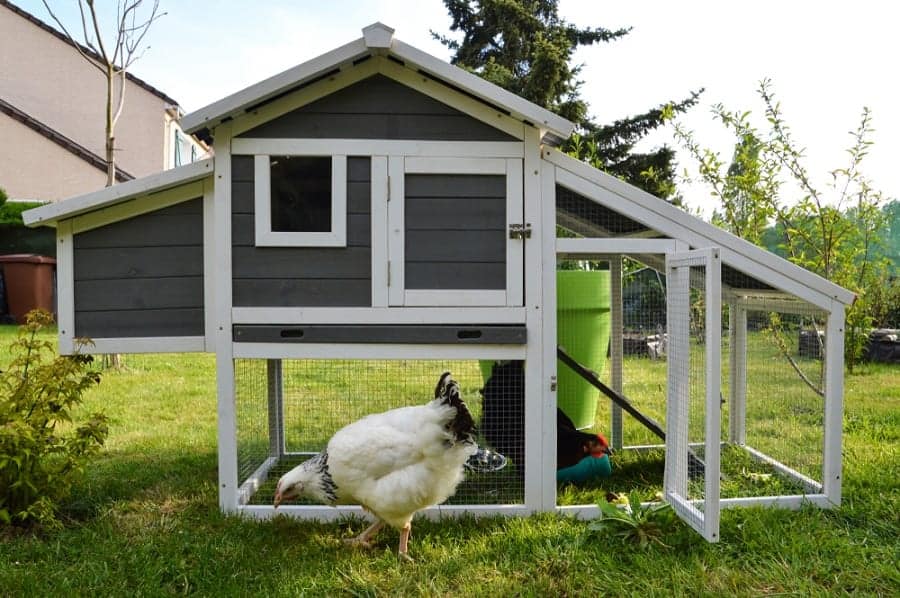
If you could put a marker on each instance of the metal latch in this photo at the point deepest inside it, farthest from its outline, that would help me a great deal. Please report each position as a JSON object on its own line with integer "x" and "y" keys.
{"x": 520, "y": 231}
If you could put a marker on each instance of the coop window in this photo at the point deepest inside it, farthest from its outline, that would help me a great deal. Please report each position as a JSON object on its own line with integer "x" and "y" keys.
{"x": 301, "y": 201}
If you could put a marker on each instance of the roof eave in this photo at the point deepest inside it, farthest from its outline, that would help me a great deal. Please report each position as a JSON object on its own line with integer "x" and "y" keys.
{"x": 377, "y": 39}
{"x": 50, "y": 214}
{"x": 234, "y": 105}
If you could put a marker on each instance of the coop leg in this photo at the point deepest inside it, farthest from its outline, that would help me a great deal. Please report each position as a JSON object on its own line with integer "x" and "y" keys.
{"x": 737, "y": 412}
{"x": 276, "y": 407}
{"x": 615, "y": 349}
{"x": 363, "y": 540}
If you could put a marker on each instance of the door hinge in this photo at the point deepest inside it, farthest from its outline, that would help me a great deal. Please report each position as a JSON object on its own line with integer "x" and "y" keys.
{"x": 520, "y": 231}
{"x": 389, "y": 188}
{"x": 389, "y": 274}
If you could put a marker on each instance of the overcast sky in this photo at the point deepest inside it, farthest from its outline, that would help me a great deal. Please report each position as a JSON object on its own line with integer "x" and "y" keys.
{"x": 827, "y": 60}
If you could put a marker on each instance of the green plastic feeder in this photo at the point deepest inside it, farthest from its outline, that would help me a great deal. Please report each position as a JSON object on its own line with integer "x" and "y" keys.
{"x": 583, "y": 323}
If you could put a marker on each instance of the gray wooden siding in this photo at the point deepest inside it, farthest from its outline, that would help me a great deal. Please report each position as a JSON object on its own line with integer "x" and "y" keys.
{"x": 302, "y": 276}
{"x": 455, "y": 231}
{"x": 378, "y": 108}
{"x": 142, "y": 277}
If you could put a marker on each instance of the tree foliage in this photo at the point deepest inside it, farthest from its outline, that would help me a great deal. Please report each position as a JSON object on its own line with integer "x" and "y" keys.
{"x": 525, "y": 47}
{"x": 42, "y": 447}
{"x": 767, "y": 196}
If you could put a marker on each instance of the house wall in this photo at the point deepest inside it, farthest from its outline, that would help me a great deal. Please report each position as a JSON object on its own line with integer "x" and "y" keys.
{"x": 46, "y": 78}
{"x": 141, "y": 277}
{"x": 307, "y": 276}
{"x": 25, "y": 166}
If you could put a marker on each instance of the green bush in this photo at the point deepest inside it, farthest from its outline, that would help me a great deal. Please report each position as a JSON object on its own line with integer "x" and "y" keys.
{"x": 42, "y": 447}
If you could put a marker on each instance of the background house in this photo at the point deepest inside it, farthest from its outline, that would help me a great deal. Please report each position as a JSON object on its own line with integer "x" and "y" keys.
{"x": 52, "y": 117}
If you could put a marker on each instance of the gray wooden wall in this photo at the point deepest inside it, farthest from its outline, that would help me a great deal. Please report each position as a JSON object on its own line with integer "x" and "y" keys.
{"x": 302, "y": 276}
{"x": 142, "y": 277}
{"x": 378, "y": 108}
{"x": 455, "y": 231}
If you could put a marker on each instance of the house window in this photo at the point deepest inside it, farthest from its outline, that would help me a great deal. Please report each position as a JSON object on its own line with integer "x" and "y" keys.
{"x": 301, "y": 200}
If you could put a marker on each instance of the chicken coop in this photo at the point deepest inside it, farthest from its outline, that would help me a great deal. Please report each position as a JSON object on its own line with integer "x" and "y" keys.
{"x": 375, "y": 216}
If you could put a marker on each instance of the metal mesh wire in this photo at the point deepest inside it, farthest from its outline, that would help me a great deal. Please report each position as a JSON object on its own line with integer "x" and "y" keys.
{"x": 318, "y": 397}
{"x": 777, "y": 428}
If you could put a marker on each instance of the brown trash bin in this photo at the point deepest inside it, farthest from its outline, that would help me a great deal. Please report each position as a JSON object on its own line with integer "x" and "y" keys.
{"x": 29, "y": 282}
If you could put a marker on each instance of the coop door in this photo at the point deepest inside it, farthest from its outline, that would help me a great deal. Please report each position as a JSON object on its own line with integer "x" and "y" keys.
{"x": 693, "y": 398}
{"x": 456, "y": 233}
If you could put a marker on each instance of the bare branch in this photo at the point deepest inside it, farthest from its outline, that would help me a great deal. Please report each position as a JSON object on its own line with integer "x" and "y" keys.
{"x": 92, "y": 61}
{"x": 96, "y": 23}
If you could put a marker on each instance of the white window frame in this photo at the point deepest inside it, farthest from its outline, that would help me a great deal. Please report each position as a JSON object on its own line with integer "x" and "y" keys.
{"x": 262, "y": 200}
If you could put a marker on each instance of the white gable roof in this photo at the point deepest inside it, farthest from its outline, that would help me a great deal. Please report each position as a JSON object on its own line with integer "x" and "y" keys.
{"x": 378, "y": 39}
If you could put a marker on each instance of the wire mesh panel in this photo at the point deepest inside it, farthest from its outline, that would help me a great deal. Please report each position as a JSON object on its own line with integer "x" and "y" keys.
{"x": 287, "y": 410}
{"x": 693, "y": 411}
{"x": 777, "y": 408}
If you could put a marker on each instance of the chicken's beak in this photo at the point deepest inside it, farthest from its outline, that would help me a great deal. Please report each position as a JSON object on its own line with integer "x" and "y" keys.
{"x": 277, "y": 499}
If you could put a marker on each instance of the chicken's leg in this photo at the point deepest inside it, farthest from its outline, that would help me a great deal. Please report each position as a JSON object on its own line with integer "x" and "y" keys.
{"x": 363, "y": 539}
{"x": 404, "y": 541}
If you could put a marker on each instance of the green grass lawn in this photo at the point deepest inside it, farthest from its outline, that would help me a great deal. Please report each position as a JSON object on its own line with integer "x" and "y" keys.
{"x": 145, "y": 521}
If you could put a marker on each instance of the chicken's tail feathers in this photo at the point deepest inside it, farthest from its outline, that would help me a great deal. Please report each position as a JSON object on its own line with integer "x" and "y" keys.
{"x": 462, "y": 426}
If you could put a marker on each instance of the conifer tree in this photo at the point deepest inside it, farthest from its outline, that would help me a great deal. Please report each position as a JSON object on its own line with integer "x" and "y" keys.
{"x": 526, "y": 48}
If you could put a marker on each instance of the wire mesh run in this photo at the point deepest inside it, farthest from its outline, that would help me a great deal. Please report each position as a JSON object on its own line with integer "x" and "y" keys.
{"x": 776, "y": 408}
{"x": 287, "y": 410}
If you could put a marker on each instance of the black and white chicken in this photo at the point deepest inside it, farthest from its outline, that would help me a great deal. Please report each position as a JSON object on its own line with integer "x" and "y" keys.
{"x": 393, "y": 464}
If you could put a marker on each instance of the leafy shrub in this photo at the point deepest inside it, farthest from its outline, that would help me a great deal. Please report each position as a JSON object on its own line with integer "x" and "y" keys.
{"x": 11, "y": 212}
{"x": 42, "y": 448}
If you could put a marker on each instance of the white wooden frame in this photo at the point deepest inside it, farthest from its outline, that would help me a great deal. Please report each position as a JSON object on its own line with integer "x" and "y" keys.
{"x": 116, "y": 212}
{"x": 262, "y": 201}
{"x": 220, "y": 313}
{"x": 676, "y": 481}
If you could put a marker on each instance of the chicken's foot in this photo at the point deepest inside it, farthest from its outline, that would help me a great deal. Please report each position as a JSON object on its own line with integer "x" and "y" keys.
{"x": 364, "y": 539}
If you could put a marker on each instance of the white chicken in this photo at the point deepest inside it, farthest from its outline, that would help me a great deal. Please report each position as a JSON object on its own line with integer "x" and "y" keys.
{"x": 393, "y": 464}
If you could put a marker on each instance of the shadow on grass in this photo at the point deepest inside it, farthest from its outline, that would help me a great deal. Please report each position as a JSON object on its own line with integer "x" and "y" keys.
{"x": 128, "y": 476}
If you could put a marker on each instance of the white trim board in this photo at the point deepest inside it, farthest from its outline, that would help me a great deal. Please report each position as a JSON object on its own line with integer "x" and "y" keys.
{"x": 234, "y": 104}
{"x": 375, "y": 351}
{"x": 154, "y": 344}
{"x": 324, "y": 513}
{"x": 51, "y": 213}
{"x": 519, "y": 107}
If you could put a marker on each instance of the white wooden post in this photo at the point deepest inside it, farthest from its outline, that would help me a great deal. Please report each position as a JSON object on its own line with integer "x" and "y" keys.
{"x": 712, "y": 452}
{"x": 737, "y": 409}
{"x": 834, "y": 402}
{"x": 275, "y": 388}
{"x": 615, "y": 348}
{"x": 228, "y": 474}
{"x": 540, "y": 441}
